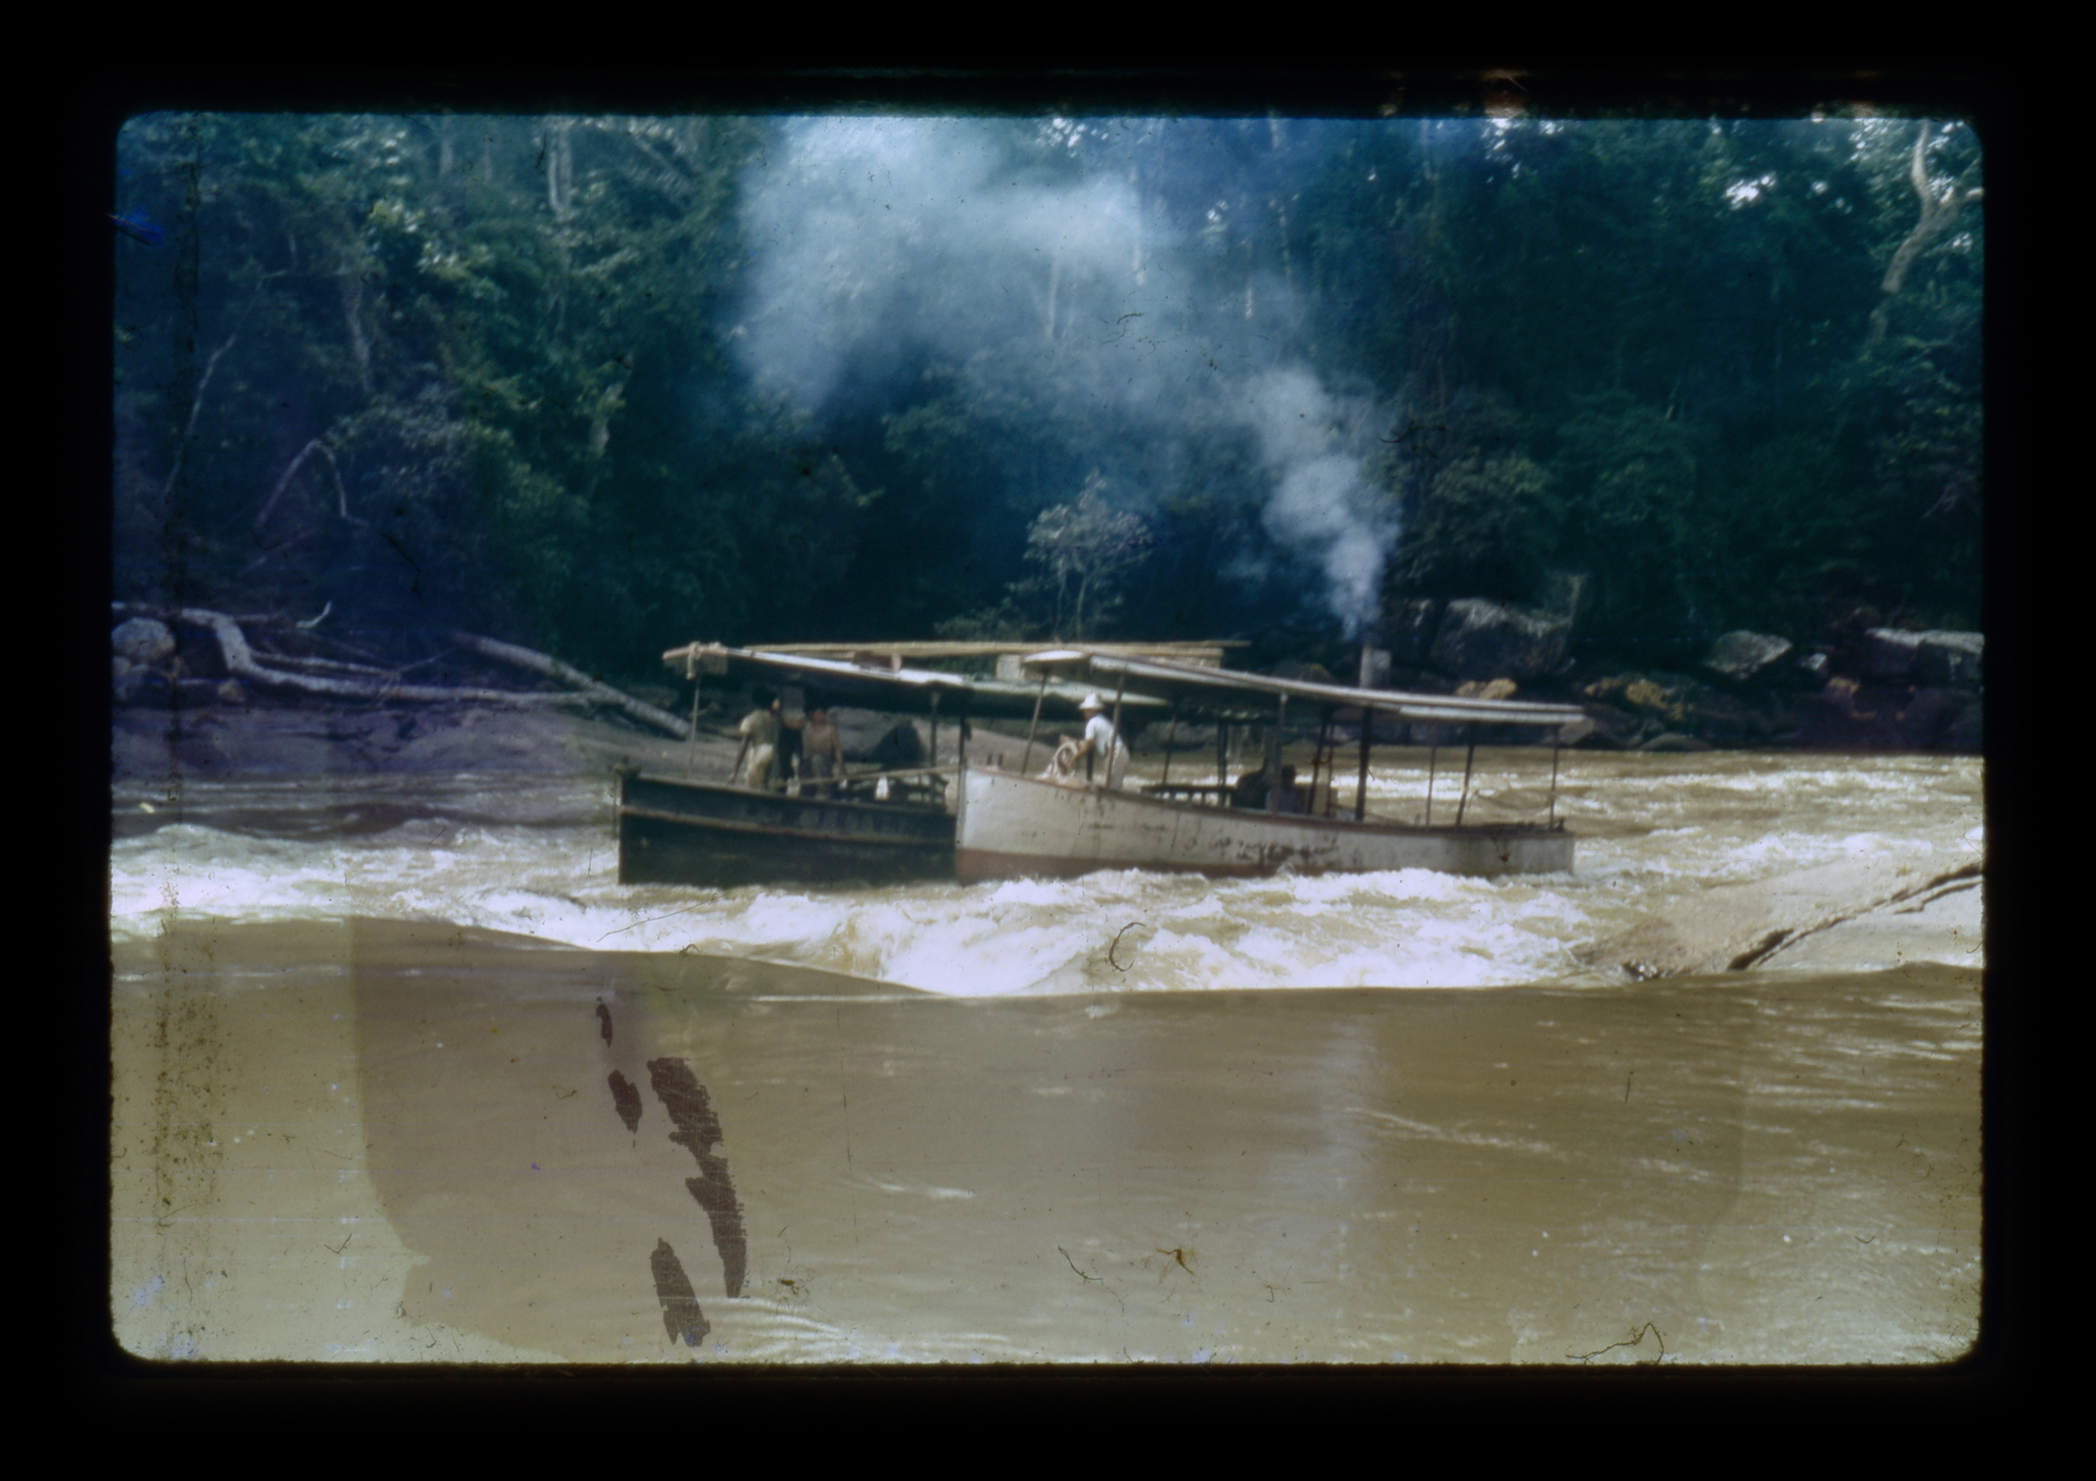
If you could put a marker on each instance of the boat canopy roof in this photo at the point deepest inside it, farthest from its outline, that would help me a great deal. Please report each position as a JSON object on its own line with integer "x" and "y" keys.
{"x": 1252, "y": 697}
{"x": 886, "y": 686}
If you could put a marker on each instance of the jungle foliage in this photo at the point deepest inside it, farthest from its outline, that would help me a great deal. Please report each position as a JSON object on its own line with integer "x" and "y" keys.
{"x": 496, "y": 372}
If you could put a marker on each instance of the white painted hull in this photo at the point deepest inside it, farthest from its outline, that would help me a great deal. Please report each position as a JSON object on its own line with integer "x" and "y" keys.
{"x": 1012, "y": 826}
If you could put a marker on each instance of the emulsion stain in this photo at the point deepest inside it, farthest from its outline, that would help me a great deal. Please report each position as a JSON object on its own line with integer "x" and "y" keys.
{"x": 698, "y": 1131}
{"x": 681, "y": 1316}
{"x": 604, "y": 1019}
{"x": 625, "y": 1099}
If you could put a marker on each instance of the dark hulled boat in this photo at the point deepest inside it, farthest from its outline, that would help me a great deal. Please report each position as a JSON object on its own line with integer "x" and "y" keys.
{"x": 706, "y": 833}
{"x": 880, "y": 827}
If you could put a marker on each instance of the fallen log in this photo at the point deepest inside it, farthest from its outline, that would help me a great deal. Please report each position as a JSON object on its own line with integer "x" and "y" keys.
{"x": 242, "y": 664}
{"x": 568, "y": 674}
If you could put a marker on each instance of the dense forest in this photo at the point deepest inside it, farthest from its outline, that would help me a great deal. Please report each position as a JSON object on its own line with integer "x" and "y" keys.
{"x": 606, "y": 384}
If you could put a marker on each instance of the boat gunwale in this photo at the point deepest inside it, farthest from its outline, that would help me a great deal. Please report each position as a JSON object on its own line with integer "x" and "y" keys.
{"x": 1261, "y": 817}
{"x": 732, "y": 789}
{"x": 772, "y": 830}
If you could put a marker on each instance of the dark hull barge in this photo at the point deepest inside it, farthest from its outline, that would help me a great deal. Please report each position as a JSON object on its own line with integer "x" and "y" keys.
{"x": 704, "y": 833}
{"x": 875, "y": 828}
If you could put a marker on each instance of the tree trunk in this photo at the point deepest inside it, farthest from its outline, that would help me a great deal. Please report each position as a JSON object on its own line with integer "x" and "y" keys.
{"x": 568, "y": 674}
{"x": 1938, "y": 212}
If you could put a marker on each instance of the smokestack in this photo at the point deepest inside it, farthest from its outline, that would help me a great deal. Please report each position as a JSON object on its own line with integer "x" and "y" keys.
{"x": 1375, "y": 666}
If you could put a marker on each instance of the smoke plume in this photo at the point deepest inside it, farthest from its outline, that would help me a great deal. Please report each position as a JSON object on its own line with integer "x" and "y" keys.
{"x": 1004, "y": 249}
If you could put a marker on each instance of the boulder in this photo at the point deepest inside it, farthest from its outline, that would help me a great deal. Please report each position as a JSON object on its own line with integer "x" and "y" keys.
{"x": 1847, "y": 715}
{"x": 1944, "y": 660}
{"x": 142, "y": 640}
{"x": 1482, "y": 640}
{"x": 1747, "y": 657}
{"x": 139, "y": 685}
{"x": 1488, "y": 689}
{"x": 1610, "y": 729}
{"x": 1656, "y": 696}
{"x": 1967, "y": 732}
{"x": 1951, "y": 660}
{"x": 1891, "y": 655}
{"x": 1674, "y": 741}
{"x": 1409, "y": 629}
{"x": 1570, "y": 595}
{"x": 1927, "y": 718}
{"x": 1663, "y": 702}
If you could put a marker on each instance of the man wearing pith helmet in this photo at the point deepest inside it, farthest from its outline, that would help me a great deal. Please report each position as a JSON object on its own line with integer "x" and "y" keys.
{"x": 1100, "y": 740}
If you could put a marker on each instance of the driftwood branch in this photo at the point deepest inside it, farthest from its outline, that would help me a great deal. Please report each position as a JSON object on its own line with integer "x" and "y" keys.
{"x": 382, "y": 686}
{"x": 241, "y": 663}
{"x": 553, "y": 668}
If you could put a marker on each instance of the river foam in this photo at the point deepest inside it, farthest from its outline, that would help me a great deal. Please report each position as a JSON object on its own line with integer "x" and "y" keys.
{"x": 538, "y": 860}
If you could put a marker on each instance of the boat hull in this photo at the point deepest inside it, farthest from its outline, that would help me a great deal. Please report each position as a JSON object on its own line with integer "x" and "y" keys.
{"x": 703, "y": 833}
{"x": 1013, "y": 826}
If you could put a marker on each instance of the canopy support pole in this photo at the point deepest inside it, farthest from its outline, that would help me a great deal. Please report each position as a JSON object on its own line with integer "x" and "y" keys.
{"x": 691, "y": 753}
{"x": 1117, "y": 741}
{"x": 1324, "y": 735}
{"x": 1463, "y": 800}
{"x": 1433, "y": 754}
{"x": 1557, "y": 738}
{"x": 1274, "y": 743}
{"x": 1361, "y": 787}
{"x": 1026, "y": 766}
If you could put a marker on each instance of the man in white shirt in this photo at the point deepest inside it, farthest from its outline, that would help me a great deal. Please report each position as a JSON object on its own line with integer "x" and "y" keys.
{"x": 1100, "y": 740}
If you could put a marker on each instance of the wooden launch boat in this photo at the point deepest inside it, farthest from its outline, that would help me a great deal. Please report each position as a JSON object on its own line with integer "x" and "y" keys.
{"x": 877, "y": 827}
{"x": 1018, "y": 825}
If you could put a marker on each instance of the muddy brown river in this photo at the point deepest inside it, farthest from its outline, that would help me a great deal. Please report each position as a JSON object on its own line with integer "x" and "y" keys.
{"x": 440, "y": 1090}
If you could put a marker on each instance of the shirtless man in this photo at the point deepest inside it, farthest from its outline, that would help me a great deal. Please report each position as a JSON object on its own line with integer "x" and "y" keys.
{"x": 822, "y": 754}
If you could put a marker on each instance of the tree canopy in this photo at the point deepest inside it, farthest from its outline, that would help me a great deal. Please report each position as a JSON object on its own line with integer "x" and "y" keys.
{"x": 609, "y": 383}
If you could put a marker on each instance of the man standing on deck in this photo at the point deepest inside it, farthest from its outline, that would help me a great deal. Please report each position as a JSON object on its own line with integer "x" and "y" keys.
{"x": 760, "y": 741}
{"x": 1100, "y": 740}
{"x": 822, "y": 754}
